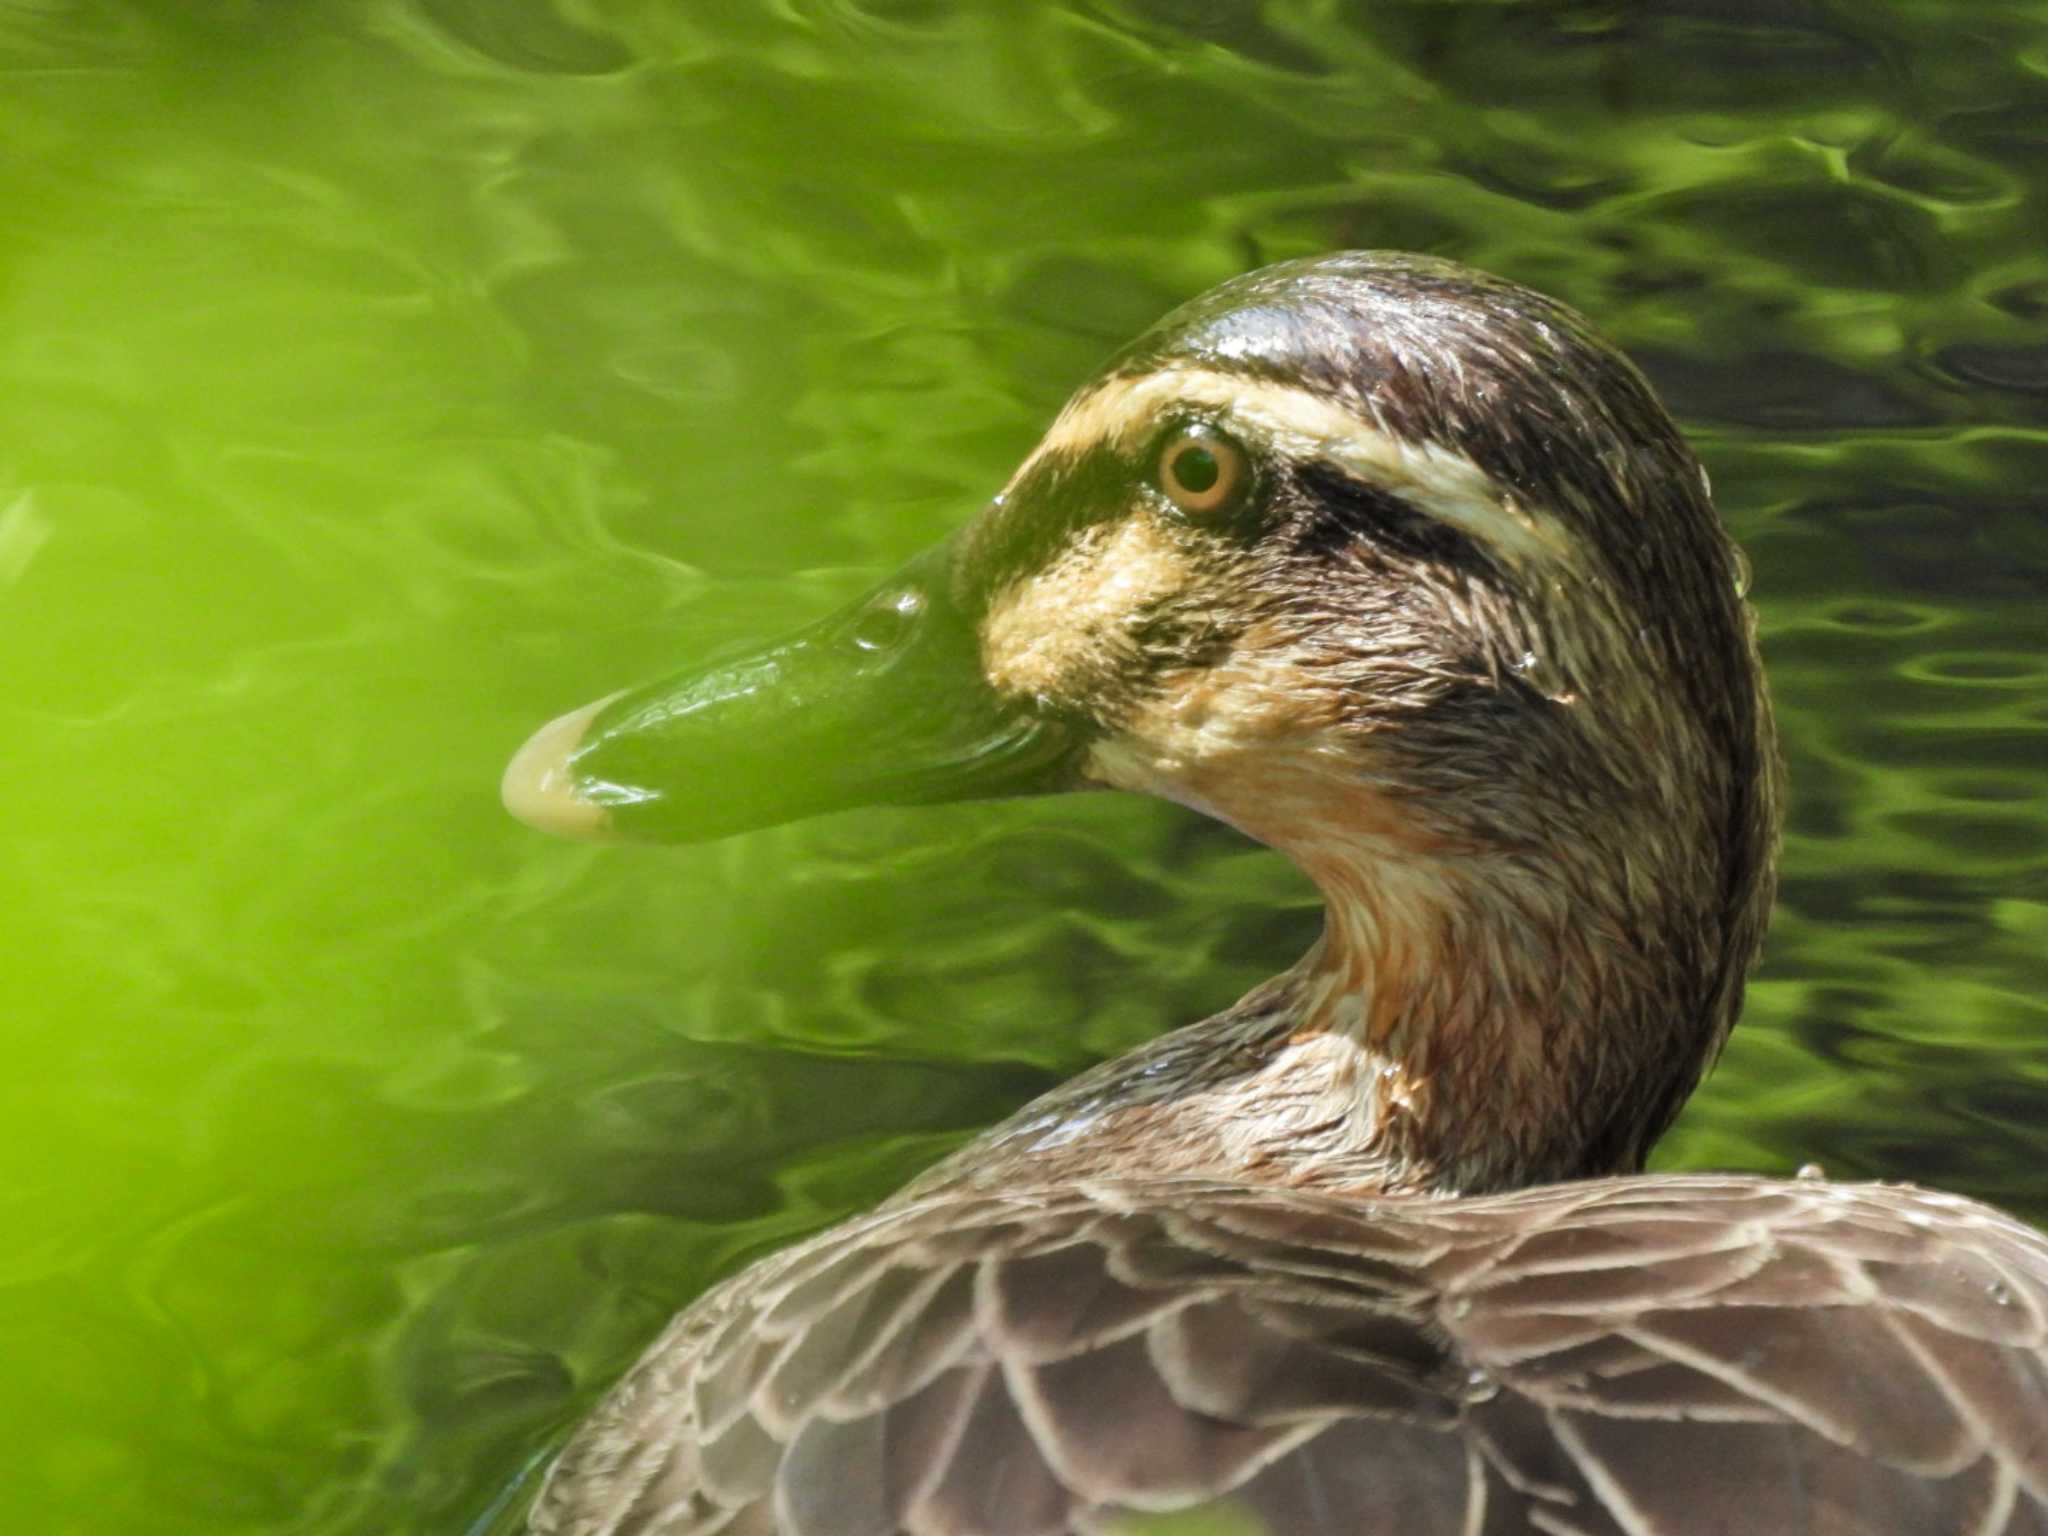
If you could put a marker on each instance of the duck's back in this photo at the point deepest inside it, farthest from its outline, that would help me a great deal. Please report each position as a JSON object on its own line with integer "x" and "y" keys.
{"x": 1691, "y": 1354}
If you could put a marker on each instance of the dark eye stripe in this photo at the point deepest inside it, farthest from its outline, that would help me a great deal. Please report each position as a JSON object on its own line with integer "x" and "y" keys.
{"x": 1053, "y": 500}
{"x": 1341, "y": 511}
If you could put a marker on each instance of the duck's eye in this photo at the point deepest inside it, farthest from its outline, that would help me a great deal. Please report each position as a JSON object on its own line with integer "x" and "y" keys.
{"x": 1204, "y": 473}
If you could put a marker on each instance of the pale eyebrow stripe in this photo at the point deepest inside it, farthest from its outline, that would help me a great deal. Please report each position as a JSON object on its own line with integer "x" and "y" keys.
{"x": 1120, "y": 413}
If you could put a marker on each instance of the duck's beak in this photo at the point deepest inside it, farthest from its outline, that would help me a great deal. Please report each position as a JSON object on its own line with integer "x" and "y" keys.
{"x": 883, "y": 703}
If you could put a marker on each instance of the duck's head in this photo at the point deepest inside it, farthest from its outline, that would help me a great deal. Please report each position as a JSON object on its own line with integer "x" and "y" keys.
{"x": 1391, "y": 564}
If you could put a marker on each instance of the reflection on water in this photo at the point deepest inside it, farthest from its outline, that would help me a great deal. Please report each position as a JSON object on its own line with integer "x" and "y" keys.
{"x": 382, "y": 379}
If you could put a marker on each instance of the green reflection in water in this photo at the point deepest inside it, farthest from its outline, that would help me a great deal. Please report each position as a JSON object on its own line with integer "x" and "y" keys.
{"x": 380, "y": 379}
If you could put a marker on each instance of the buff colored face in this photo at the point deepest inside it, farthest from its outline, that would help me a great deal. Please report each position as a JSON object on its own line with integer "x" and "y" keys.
{"x": 1237, "y": 583}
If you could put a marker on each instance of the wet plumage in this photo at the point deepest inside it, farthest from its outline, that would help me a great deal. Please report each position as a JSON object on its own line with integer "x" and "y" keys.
{"x": 1400, "y": 569}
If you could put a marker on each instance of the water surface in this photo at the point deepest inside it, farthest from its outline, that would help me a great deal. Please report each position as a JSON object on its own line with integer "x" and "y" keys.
{"x": 382, "y": 378}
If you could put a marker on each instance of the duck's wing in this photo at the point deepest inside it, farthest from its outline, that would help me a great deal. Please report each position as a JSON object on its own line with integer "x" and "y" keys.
{"x": 1690, "y": 1355}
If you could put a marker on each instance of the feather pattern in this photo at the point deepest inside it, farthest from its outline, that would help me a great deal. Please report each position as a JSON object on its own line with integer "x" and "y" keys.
{"x": 1692, "y": 1354}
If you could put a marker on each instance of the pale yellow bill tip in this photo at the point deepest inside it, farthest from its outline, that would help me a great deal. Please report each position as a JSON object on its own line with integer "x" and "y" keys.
{"x": 538, "y": 786}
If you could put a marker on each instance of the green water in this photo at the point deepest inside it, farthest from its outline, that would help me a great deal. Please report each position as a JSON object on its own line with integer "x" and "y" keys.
{"x": 378, "y": 379}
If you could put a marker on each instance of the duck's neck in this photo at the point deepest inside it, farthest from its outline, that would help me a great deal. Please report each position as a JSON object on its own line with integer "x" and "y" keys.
{"x": 1454, "y": 1007}
{"x": 1464, "y": 1024}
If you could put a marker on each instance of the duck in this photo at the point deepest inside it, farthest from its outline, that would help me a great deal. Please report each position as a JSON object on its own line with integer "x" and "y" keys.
{"x": 1402, "y": 570}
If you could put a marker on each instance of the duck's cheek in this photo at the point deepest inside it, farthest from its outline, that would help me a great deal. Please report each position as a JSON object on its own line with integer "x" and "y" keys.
{"x": 1254, "y": 741}
{"x": 1063, "y": 634}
